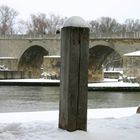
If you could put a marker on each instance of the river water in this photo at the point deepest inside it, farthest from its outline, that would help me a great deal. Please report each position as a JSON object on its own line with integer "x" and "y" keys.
{"x": 41, "y": 98}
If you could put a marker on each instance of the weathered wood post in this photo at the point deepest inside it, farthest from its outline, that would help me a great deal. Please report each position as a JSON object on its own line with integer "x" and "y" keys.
{"x": 74, "y": 75}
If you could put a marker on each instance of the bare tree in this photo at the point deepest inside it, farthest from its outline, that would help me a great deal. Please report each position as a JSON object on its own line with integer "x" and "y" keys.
{"x": 41, "y": 24}
{"x": 7, "y": 20}
{"x": 132, "y": 27}
{"x": 105, "y": 26}
{"x": 37, "y": 25}
{"x": 108, "y": 25}
{"x": 21, "y": 27}
{"x": 114, "y": 60}
{"x": 54, "y": 23}
{"x": 94, "y": 27}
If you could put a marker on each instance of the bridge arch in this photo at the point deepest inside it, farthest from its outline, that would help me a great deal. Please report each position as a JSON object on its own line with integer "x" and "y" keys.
{"x": 99, "y": 54}
{"x": 101, "y": 43}
{"x": 32, "y": 60}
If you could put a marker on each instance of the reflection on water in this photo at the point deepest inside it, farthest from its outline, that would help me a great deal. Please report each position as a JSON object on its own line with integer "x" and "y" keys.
{"x": 31, "y": 98}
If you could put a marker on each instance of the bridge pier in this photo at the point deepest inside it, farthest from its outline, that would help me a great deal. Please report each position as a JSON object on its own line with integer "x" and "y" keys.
{"x": 10, "y": 63}
{"x": 94, "y": 75}
{"x": 51, "y": 67}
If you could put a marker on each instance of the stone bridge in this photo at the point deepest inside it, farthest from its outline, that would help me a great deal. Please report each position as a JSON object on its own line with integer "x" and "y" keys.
{"x": 27, "y": 52}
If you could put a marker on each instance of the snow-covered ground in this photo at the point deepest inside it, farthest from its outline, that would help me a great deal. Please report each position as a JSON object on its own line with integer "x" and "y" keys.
{"x": 113, "y": 84}
{"x": 103, "y": 124}
{"x": 30, "y": 80}
{"x": 136, "y": 53}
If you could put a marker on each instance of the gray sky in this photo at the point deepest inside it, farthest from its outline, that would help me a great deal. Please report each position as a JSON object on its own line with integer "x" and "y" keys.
{"x": 87, "y": 9}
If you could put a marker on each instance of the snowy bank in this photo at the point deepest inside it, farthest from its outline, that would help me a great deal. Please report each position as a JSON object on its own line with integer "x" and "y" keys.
{"x": 53, "y": 115}
{"x": 113, "y": 84}
{"x": 106, "y": 84}
{"x": 103, "y": 124}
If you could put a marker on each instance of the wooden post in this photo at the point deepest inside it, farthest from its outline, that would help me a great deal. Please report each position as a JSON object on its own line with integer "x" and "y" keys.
{"x": 74, "y": 75}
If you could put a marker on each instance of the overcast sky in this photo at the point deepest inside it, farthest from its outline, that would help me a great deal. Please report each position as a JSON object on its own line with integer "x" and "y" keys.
{"x": 87, "y": 9}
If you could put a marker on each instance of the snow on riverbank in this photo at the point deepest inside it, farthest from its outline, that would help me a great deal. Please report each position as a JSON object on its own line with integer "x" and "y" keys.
{"x": 113, "y": 84}
{"x": 30, "y": 80}
{"x": 105, "y": 83}
{"x": 103, "y": 124}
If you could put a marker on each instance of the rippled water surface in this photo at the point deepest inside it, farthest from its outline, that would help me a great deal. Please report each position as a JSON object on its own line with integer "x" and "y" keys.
{"x": 31, "y": 98}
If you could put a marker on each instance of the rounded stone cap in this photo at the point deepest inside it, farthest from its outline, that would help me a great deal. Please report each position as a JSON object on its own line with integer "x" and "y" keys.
{"x": 75, "y": 21}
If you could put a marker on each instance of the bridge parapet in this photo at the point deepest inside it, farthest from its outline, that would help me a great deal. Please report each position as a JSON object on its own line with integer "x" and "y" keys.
{"x": 116, "y": 35}
{"x": 57, "y": 36}
{"x": 47, "y": 36}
